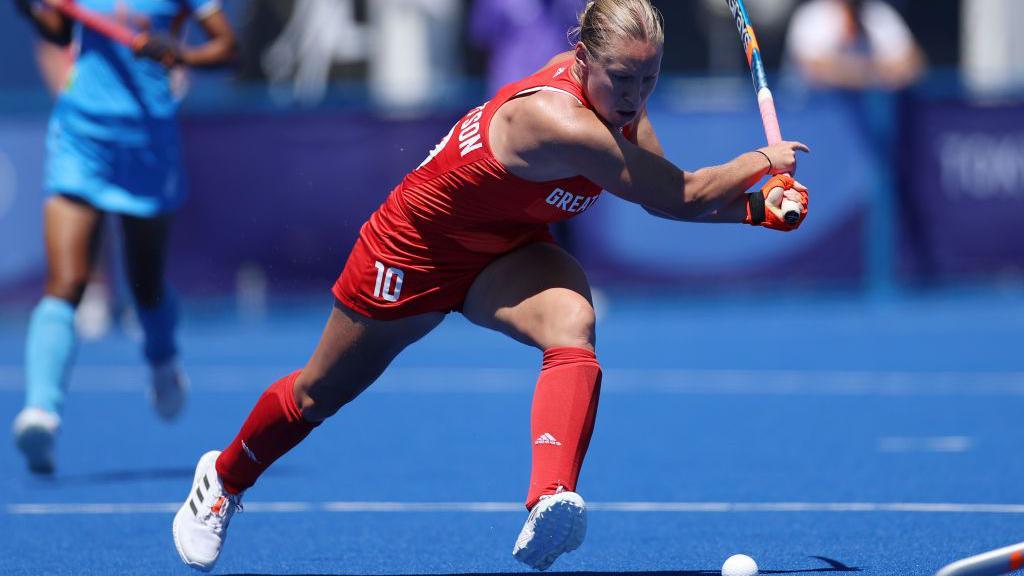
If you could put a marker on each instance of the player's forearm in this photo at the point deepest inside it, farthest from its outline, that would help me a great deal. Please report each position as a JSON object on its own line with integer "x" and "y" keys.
{"x": 711, "y": 193}
{"x": 217, "y": 52}
{"x": 734, "y": 212}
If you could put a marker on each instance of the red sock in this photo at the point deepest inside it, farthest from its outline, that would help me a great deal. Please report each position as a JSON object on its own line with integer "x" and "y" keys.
{"x": 564, "y": 408}
{"x": 274, "y": 427}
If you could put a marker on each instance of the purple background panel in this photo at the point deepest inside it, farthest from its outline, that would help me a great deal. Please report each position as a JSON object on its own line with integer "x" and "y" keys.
{"x": 287, "y": 193}
{"x": 966, "y": 188}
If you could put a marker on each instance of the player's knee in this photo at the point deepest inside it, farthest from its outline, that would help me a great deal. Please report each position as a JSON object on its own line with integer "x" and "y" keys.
{"x": 320, "y": 396}
{"x": 67, "y": 286}
{"x": 571, "y": 324}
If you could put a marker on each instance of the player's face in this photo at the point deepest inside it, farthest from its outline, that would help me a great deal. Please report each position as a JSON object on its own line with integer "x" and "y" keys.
{"x": 618, "y": 84}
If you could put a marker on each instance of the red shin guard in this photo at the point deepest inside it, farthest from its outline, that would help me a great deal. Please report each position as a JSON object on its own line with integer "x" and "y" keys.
{"x": 564, "y": 408}
{"x": 274, "y": 427}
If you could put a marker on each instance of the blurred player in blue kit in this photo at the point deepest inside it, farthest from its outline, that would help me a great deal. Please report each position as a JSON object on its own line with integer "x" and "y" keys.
{"x": 112, "y": 147}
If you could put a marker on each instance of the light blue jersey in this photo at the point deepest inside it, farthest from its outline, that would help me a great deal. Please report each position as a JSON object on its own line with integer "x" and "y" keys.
{"x": 113, "y": 139}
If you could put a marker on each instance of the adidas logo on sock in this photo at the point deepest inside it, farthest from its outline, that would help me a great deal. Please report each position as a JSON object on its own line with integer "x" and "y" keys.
{"x": 546, "y": 438}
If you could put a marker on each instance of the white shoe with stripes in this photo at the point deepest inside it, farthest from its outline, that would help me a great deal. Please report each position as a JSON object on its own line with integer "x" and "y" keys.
{"x": 201, "y": 524}
{"x": 556, "y": 525}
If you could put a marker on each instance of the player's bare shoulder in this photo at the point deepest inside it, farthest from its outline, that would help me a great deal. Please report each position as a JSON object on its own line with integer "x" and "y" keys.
{"x": 547, "y": 117}
{"x": 528, "y": 134}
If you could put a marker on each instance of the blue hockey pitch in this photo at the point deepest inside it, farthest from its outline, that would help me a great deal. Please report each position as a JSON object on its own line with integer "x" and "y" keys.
{"x": 817, "y": 436}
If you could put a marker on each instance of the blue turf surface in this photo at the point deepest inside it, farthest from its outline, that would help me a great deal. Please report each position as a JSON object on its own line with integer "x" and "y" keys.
{"x": 706, "y": 400}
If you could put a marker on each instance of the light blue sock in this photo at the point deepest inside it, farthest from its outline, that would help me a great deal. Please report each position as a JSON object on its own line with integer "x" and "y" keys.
{"x": 158, "y": 325}
{"x": 49, "y": 350}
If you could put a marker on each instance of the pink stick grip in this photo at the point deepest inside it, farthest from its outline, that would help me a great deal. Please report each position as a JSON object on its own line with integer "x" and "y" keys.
{"x": 769, "y": 117}
{"x": 770, "y": 120}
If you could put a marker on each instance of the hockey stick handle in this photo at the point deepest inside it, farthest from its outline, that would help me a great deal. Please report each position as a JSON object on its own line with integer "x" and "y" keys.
{"x": 765, "y": 101}
{"x": 772, "y": 132}
{"x": 769, "y": 118}
{"x": 100, "y": 23}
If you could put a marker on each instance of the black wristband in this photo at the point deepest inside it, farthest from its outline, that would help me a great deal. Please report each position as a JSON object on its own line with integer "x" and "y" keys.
{"x": 755, "y": 200}
{"x": 770, "y": 166}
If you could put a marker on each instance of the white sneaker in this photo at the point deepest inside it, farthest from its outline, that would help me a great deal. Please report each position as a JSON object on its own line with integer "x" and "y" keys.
{"x": 34, "y": 432}
{"x": 169, "y": 389}
{"x": 201, "y": 524}
{"x": 557, "y": 524}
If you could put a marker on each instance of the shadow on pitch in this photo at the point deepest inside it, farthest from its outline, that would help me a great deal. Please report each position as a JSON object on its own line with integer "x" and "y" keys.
{"x": 131, "y": 475}
{"x": 115, "y": 476}
{"x": 833, "y": 566}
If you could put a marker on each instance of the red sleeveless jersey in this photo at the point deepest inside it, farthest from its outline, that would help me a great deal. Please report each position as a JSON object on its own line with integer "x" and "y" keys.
{"x": 457, "y": 212}
{"x": 463, "y": 194}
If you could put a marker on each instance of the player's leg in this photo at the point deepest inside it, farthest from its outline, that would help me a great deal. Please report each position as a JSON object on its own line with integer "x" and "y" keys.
{"x": 353, "y": 351}
{"x": 71, "y": 232}
{"x": 145, "y": 254}
{"x": 539, "y": 295}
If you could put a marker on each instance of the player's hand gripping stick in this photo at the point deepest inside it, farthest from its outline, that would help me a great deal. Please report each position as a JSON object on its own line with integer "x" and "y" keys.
{"x": 769, "y": 118}
{"x": 764, "y": 212}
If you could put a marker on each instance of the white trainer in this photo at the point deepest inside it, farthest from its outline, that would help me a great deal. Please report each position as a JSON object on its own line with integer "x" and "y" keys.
{"x": 556, "y": 525}
{"x": 201, "y": 524}
{"x": 34, "y": 432}
{"x": 169, "y": 389}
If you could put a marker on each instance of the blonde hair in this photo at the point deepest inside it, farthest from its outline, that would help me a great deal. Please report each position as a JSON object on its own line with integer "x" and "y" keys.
{"x": 604, "y": 21}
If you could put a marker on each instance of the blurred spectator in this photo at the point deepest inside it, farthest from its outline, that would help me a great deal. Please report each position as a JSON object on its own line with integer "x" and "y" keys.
{"x": 854, "y": 45}
{"x": 992, "y": 48}
{"x": 406, "y": 52}
{"x": 262, "y": 22}
{"x": 865, "y": 49}
{"x": 520, "y": 36}
{"x": 319, "y": 34}
{"x": 414, "y": 59}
